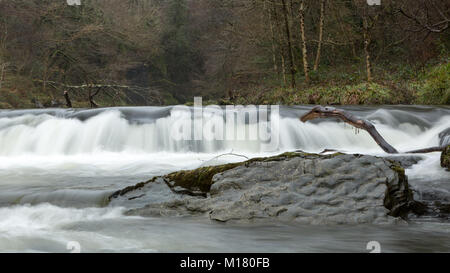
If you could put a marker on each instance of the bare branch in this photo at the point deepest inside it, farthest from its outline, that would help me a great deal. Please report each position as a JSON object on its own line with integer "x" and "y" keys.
{"x": 331, "y": 112}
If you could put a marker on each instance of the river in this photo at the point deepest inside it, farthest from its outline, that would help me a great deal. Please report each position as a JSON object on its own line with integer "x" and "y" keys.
{"x": 58, "y": 166}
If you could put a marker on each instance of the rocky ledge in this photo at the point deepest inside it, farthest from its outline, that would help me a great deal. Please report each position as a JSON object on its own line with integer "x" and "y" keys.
{"x": 301, "y": 187}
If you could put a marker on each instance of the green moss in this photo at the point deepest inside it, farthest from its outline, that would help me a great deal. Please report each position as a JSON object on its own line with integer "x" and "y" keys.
{"x": 169, "y": 99}
{"x": 200, "y": 178}
{"x": 397, "y": 85}
{"x": 399, "y": 197}
{"x": 393, "y": 84}
{"x": 359, "y": 93}
{"x": 445, "y": 158}
{"x": 288, "y": 155}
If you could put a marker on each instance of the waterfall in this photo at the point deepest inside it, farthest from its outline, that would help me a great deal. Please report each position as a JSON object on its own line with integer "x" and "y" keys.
{"x": 116, "y": 130}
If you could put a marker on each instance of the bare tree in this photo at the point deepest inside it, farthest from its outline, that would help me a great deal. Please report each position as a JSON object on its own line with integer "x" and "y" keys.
{"x": 303, "y": 35}
{"x": 366, "y": 34}
{"x": 281, "y": 42}
{"x": 3, "y": 64}
{"x": 2, "y": 73}
{"x": 427, "y": 15}
{"x": 67, "y": 97}
{"x": 289, "y": 41}
{"x": 321, "y": 26}
{"x": 273, "y": 40}
{"x": 368, "y": 23}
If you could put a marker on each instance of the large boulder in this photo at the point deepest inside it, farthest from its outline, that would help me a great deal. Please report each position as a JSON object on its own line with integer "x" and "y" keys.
{"x": 445, "y": 158}
{"x": 306, "y": 188}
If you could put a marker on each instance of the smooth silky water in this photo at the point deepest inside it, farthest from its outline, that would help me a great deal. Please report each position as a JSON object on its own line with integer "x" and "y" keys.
{"x": 57, "y": 168}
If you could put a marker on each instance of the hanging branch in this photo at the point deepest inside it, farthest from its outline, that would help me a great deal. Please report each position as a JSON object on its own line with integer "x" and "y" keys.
{"x": 435, "y": 28}
{"x": 331, "y": 112}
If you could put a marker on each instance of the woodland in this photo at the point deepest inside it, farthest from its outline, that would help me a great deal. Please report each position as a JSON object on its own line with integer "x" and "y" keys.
{"x": 164, "y": 52}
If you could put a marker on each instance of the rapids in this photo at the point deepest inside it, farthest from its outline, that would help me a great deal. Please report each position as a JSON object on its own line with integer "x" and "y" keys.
{"x": 58, "y": 166}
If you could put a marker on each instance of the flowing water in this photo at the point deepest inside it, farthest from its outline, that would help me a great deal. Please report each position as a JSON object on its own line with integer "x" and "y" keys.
{"x": 58, "y": 166}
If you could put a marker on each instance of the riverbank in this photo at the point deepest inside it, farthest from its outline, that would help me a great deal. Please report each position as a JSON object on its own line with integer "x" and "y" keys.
{"x": 343, "y": 86}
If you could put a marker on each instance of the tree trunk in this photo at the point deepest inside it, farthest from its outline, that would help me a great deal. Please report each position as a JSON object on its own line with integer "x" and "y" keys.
{"x": 280, "y": 43}
{"x": 2, "y": 74}
{"x": 304, "y": 49}
{"x": 44, "y": 80}
{"x": 283, "y": 67}
{"x": 321, "y": 25}
{"x": 274, "y": 58}
{"x": 91, "y": 98}
{"x": 366, "y": 48}
{"x": 289, "y": 41}
{"x": 66, "y": 96}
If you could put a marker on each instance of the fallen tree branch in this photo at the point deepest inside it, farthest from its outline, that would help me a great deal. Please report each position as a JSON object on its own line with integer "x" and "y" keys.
{"x": 94, "y": 85}
{"x": 331, "y": 112}
{"x": 427, "y": 150}
{"x": 150, "y": 93}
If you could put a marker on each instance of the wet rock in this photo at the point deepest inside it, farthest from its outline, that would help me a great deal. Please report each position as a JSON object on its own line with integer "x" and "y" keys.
{"x": 306, "y": 188}
{"x": 442, "y": 210}
{"x": 406, "y": 161}
{"x": 445, "y": 158}
{"x": 37, "y": 103}
{"x": 444, "y": 138}
{"x": 56, "y": 104}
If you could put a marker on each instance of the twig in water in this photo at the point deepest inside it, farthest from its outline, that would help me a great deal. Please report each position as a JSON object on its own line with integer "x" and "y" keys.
{"x": 230, "y": 153}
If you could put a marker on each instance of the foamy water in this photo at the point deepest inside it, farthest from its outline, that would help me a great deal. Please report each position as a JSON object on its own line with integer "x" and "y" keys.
{"x": 58, "y": 166}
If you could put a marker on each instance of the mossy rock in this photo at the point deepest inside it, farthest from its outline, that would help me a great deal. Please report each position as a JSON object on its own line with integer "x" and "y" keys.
{"x": 237, "y": 195}
{"x": 399, "y": 197}
{"x": 445, "y": 158}
{"x": 201, "y": 178}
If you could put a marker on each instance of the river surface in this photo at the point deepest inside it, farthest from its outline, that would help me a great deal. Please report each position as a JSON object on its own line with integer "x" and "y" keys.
{"x": 58, "y": 166}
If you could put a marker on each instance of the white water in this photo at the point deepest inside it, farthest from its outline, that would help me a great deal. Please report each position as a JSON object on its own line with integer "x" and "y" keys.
{"x": 110, "y": 132}
{"x": 74, "y": 163}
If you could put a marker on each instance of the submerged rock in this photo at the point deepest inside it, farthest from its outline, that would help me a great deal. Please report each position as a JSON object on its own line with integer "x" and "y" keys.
{"x": 406, "y": 161}
{"x": 445, "y": 158}
{"x": 306, "y": 188}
